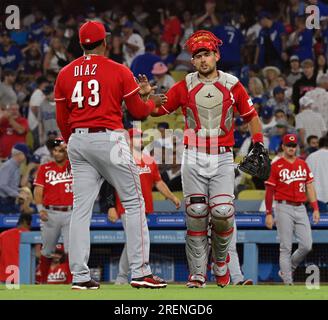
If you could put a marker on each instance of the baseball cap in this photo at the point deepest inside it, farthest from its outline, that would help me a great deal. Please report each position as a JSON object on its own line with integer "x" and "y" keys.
{"x": 91, "y": 32}
{"x": 266, "y": 112}
{"x": 52, "y": 132}
{"x": 306, "y": 101}
{"x": 128, "y": 24}
{"x": 48, "y": 89}
{"x": 289, "y": 139}
{"x": 59, "y": 248}
{"x": 134, "y": 132}
{"x": 278, "y": 90}
{"x": 264, "y": 14}
{"x": 294, "y": 58}
{"x": 257, "y": 100}
{"x": 159, "y": 68}
{"x": 22, "y": 147}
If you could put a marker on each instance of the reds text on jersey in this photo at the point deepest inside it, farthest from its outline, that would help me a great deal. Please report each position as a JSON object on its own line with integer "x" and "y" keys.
{"x": 57, "y": 184}
{"x": 290, "y": 179}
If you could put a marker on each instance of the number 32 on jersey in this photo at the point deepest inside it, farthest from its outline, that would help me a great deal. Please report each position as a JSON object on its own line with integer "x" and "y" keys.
{"x": 78, "y": 97}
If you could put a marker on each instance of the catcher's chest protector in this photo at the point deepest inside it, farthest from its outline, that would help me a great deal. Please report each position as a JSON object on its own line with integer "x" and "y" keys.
{"x": 209, "y": 110}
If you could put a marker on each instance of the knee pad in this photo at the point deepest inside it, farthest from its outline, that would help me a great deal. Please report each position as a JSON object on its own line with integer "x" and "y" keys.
{"x": 221, "y": 207}
{"x": 197, "y": 206}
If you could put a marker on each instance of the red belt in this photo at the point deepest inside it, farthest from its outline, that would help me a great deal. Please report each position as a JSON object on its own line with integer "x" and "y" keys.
{"x": 91, "y": 130}
{"x": 210, "y": 149}
{"x": 62, "y": 208}
{"x": 292, "y": 203}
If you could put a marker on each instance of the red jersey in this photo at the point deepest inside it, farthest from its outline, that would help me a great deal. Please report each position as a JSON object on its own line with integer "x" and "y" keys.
{"x": 89, "y": 93}
{"x": 149, "y": 175}
{"x": 57, "y": 184}
{"x": 58, "y": 274}
{"x": 290, "y": 179}
{"x": 9, "y": 137}
{"x": 172, "y": 28}
{"x": 9, "y": 250}
{"x": 210, "y": 106}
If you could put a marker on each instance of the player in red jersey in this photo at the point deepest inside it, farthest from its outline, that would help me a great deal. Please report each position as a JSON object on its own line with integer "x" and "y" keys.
{"x": 89, "y": 93}
{"x": 54, "y": 198}
{"x": 209, "y": 98}
{"x": 291, "y": 184}
{"x": 149, "y": 177}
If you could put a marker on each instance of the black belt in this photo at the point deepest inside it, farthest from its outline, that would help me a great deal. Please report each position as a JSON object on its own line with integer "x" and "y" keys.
{"x": 90, "y": 130}
{"x": 210, "y": 149}
{"x": 292, "y": 203}
{"x": 61, "y": 208}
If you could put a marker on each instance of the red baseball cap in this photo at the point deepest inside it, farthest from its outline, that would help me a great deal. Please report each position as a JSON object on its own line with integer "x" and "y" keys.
{"x": 133, "y": 132}
{"x": 91, "y": 32}
{"x": 289, "y": 138}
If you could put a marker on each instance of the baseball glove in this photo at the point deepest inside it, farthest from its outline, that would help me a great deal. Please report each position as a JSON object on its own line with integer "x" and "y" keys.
{"x": 257, "y": 163}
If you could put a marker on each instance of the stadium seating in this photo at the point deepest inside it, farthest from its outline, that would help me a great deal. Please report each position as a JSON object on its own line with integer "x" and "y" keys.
{"x": 251, "y": 195}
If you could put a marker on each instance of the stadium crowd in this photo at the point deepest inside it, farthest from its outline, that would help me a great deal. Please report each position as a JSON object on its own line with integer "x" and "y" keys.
{"x": 281, "y": 62}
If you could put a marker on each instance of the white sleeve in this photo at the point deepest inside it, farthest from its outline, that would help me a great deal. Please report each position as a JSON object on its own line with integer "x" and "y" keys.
{"x": 36, "y": 99}
{"x": 298, "y": 123}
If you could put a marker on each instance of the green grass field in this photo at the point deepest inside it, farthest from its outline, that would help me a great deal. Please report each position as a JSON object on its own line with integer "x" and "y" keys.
{"x": 172, "y": 292}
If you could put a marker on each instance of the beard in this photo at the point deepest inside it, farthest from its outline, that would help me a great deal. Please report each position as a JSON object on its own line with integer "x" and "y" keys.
{"x": 207, "y": 72}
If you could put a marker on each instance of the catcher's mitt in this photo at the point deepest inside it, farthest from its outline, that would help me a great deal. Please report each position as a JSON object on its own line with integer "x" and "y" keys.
{"x": 257, "y": 163}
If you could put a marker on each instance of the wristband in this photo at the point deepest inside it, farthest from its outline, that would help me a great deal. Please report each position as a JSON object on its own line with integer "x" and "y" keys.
{"x": 314, "y": 205}
{"x": 40, "y": 207}
{"x": 268, "y": 212}
{"x": 257, "y": 137}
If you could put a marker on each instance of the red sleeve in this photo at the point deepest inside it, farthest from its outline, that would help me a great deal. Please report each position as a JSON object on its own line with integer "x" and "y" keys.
{"x": 40, "y": 178}
{"x": 138, "y": 108}
{"x": 23, "y": 122}
{"x": 272, "y": 181}
{"x": 269, "y": 194}
{"x": 129, "y": 83}
{"x": 243, "y": 102}
{"x": 177, "y": 27}
{"x": 174, "y": 98}
{"x": 309, "y": 176}
{"x": 62, "y": 113}
{"x": 155, "y": 173}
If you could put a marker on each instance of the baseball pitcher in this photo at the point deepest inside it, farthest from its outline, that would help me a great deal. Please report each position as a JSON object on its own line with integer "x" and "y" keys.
{"x": 209, "y": 99}
{"x": 89, "y": 93}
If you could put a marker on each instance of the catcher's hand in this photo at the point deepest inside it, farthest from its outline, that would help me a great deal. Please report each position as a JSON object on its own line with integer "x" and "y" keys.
{"x": 257, "y": 163}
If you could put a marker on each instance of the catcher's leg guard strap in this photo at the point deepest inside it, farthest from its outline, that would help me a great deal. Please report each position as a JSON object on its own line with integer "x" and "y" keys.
{"x": 197, "y": 252}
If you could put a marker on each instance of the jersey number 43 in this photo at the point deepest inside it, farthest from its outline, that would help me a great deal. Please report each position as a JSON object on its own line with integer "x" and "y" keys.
{"x": 94, "y": 97}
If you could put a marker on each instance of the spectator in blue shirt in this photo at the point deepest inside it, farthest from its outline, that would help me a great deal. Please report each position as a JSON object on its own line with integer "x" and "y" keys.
{"x": 276, "y": 140}
{"x": 241, "y": 132}
{"x": 36, "y": 30}
{"x": 10, "y": 55}
{"x": 230, "y": 51}
{"x": 166, "y": 56}
{"x": 10, "y": 178}
{"x": 46, "y": 37}
{"x": 143, "y": 64}
{"x": 271, "y": 42}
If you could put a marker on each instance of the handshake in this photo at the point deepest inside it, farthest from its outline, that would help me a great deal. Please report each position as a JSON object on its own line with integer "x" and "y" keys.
{"x": 147, "y": 90}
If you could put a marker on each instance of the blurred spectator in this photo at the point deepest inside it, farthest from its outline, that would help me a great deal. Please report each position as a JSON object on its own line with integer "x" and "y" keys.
{"x": 29, "y": 172}
{"x": 276, "y": 139}
{"x": 268, "y": 120}
{"x": 166, "y": 56}
{"x": 56, "y": 57}
{"x": 207, "y": 20}
{"x": 318, "y": 163}
{"x": 320, "y": 96}
{"x": 309, "y": 122}
{"x": 172, "y": 175}
{"x": 10, "y": 55}
{"x": 37, "y": 26}
{"x": 321, "y": 66}
{"x": 295, "y": 70}
{"x": 133, "y": 44}
{"x": 313, "y": 144}
{"x": 255, "y": 87}
{"x": 271, "y": 74}
{"x": 241, "y": 132}
{"x": 13, "y": 129}
{"x": 301, "y": 40}
{"x": 25, "y": 201}
{"x": 10, "y": 178}
{"x": 143, "y": 64}
{"x": 48, "y": 32}
{"x": 32, "y": 59}
{"x": 7, "y": 92}
{"x": 9, "y": 246}
{"x": 44, "y": 152}
{"x": 162, "y": 80}
{"x": 230, "y": 51}
{"x": 183, "y": 62}
{"x": 48, "y": 113}
{"x": 171, "y": 27}
{"x": 140, "y": 15}
{"x": 271, "y": 42}
{"x": 279, "y": 101}
{"x": 306, "y": 83}
{"x": 116, "y": 49}
{"x": 34, "y": 114}
{"x": 187, "y": 26}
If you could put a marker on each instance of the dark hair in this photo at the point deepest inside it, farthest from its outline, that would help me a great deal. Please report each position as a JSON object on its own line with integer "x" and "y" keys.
{"x": 91, "y": 46}
{"x": 41, "y": 80}
{"x": 8, "y": 72}
{"x": 25, "y": 218}
{"x": 323, "y": 142}
{"x": 309, "y": 138}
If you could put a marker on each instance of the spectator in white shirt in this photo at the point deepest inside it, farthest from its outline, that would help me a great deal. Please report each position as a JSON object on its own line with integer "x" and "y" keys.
{"x": 268, "y": 120}
{"x": 133, "y": 44}
{"x": 309, "y": 122}
{"x": 318, "y": 163}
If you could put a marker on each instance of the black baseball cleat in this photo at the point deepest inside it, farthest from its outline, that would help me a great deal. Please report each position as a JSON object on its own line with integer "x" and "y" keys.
{"x": 248, "y": 282}
{"x": 150, "y": 281}
{"x": 89, "y": 285}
